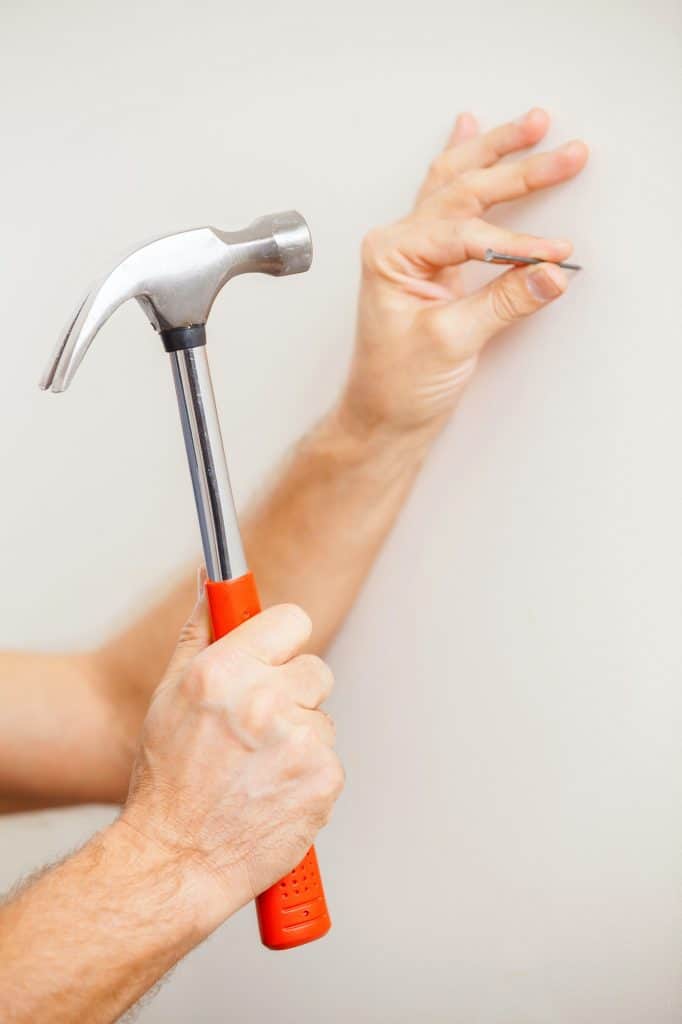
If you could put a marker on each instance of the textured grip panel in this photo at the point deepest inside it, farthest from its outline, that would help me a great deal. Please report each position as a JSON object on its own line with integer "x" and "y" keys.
{"x": 294, "y": 910}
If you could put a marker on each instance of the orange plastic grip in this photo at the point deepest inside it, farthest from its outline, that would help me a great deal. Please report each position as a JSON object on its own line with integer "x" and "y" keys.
{"x": 294, "y": 910}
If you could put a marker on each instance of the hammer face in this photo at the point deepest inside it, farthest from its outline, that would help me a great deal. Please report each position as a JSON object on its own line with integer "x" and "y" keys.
{"x": 176, "y": 279}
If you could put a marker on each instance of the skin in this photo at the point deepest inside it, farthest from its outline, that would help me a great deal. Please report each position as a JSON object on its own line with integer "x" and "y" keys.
{"x": 234, "y": 773}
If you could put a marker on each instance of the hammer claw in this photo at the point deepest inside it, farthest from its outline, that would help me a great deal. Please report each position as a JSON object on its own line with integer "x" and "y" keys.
{"x": 177, "y": 278}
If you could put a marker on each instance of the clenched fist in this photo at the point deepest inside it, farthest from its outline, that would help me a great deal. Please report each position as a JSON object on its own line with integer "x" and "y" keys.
{"x": 419, "y": 331}
{"x": 235, "y": 771}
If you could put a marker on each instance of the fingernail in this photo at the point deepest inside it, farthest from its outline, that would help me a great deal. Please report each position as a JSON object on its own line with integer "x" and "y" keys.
{"x": 534, "y": 112}
{"x": 545, "y": 284}
{"x": 573, "y": 148}
{"x": 202, "y": 576}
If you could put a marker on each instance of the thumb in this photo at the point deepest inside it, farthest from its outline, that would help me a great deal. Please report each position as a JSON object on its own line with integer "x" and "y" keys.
{"x": 512, "y": 296}
{"x": 196, "y": 633}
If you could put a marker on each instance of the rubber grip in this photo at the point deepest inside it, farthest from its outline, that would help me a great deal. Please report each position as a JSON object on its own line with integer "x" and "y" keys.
{"x": 294, "y": 910}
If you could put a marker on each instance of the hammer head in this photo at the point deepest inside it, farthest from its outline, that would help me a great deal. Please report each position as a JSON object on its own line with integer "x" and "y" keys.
{"x": 176, "y": 278}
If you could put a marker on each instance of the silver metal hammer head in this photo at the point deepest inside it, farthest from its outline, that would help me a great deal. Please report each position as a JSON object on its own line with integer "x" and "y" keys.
{"x": 175, "y": 279}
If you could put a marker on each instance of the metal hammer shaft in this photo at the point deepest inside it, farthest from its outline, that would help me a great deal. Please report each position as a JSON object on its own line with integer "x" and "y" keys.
{"x": 220, "y": 536}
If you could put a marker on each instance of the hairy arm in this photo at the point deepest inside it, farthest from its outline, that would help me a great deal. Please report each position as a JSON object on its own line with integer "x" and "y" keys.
{"x": 93, "y": 934}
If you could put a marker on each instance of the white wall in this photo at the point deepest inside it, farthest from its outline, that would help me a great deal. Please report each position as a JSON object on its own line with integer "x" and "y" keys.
{"x": 507, "y": 850}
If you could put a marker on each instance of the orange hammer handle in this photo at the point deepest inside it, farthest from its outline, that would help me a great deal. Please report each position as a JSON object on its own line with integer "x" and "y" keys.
{"x": 294, "y": 910}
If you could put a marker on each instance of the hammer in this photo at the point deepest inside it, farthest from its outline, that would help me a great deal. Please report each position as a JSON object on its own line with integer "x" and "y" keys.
{"x": 176, "y": 279}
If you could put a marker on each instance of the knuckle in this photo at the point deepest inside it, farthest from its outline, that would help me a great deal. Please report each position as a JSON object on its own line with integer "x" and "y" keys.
{"x": 320, "y": 671}
{"x": 437, "y": 169}
{"x": 304, "y": 746}
{"x": 261, "y": 705}
{"x": 303, "y": 742}
{"x": 505, "y": 304}
{"x": 490, "y": 151}
{"x": 447, "y": 194}
{"x": 330, "y": 723}
{"x": 208, "y": 676}
{"x": 439, "y": 330}
{"x": 372, "y": 247}
{"x": 197, "y": 682}
{"x": 191, "y": 633}
{"x": 454, "y": 343}
{"x": 464, "y": 194}
{"x": 503, "y": 139}
{"x": 331, "y": 778}
{"x": 329, "y": 782}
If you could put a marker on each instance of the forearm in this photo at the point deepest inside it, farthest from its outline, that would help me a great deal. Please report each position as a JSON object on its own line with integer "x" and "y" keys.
{"x": 92, "y": 935}
{"x": 316, "y": 532}
{"x": 60, "y": 740}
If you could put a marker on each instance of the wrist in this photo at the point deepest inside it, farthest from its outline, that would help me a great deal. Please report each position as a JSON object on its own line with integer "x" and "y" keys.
{"x": 375, "y": 438}
{"x": 182, "y": 899}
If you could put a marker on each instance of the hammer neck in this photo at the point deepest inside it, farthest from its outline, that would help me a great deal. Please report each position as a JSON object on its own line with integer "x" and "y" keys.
{"x": 178, "y": 339}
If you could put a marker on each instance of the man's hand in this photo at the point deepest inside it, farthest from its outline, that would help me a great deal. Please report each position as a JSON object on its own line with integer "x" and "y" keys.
{"x": 419, "y": 332}
{"x": 234, "y": 776}
{"x": 236, "y": 772}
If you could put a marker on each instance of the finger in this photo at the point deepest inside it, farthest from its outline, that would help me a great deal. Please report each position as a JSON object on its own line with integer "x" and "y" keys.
{"x": 302, "y": 757}
{"x": 476, "y": 236}
{"x": 433, "y": 243}
{"x": 319, "y": 723}
{"x": 510, "y": 297}
{"x": 503, "y": 182}
{"x": 487, "y": 149}
{"x": 308, "y": 680}
{"x": 466, "y": 127}
{"x": 195, "y": 635}
{"x": 273, "y": 637}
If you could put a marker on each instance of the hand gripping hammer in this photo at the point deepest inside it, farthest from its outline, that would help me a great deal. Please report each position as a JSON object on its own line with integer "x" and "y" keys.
{"x": 175, "y": 279}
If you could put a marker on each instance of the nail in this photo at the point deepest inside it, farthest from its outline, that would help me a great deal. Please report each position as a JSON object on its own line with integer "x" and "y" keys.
{"x": 535, "y": 113}
{"x": 546, "y": 284}
{"x": 202, "y": 576}
{"x": 573, "y": 148}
